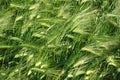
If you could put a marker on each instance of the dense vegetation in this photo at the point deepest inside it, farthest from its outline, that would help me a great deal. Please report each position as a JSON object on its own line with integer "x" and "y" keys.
{"x": 59, "y": 39}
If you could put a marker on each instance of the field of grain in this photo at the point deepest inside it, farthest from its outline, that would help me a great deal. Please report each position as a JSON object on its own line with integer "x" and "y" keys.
{"x": 59, "y": 39}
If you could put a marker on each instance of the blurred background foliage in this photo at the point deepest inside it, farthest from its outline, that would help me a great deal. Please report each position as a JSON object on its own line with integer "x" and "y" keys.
{"x": 59, "y": 40}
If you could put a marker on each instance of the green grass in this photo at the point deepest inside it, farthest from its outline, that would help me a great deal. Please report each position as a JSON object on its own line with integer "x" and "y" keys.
{"x": 59, "y": 40}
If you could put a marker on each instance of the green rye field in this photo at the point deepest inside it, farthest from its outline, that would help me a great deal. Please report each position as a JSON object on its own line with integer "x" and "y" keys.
{"x": 59, "y": 39}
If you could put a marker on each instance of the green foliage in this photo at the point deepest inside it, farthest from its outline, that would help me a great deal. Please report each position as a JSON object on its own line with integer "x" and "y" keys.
{"x": 59, "y": 40}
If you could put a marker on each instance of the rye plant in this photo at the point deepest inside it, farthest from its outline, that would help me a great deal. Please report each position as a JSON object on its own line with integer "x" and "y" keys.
{"x": 59, "y": 40}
